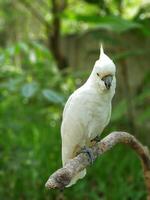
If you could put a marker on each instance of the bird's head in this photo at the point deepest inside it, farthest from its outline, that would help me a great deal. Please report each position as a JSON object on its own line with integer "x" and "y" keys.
{"x": 103, "y": 73}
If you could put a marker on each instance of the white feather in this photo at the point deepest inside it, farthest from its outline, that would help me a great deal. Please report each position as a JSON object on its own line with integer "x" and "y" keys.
{"x": 87, "y": 111}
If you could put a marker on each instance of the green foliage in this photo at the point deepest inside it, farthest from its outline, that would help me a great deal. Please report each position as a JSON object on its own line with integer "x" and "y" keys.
{"x": 29, "y": 89}
{"x": 112, "y": 23}
{"x": 33, "y": 92}
{"x": 117, "y": 16}
{"x": 53, "y": 96}
{"x": 31, "y": 99}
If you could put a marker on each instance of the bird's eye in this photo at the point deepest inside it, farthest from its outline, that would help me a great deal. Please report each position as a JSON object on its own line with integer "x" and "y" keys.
{"x": 97, "y": 74}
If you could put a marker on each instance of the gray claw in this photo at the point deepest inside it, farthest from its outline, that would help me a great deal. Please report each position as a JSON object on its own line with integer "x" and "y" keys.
{"x": 89, "y": 153}
{"x": 96, "y": 139}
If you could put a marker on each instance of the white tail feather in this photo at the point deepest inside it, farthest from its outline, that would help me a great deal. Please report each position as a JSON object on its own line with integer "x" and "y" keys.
{"x": 78, "y": 176}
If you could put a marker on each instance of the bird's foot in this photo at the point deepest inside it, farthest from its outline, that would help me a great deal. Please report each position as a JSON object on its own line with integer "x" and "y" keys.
{"x": 89, "y": 153}
{"x": 96, "y": 139}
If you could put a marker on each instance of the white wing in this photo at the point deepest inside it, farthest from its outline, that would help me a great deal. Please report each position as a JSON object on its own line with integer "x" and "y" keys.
{"x": 72, "y": 128}
{"x": 72, "y": 133}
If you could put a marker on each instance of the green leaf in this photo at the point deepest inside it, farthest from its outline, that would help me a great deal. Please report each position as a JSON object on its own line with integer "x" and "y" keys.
{"x": 29, "y": 89}
{"x": 22, "y": 46}
{"x": 12, "y": 84}
{"x": 113, "y": 23}
{"x": 53, "y": 96}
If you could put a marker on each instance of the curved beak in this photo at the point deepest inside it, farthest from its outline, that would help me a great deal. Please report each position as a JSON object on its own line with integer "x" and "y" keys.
{"x": 108, "y": 80}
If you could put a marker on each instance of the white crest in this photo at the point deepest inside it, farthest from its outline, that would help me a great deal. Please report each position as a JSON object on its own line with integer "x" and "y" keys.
{"x": 101, "y": 51}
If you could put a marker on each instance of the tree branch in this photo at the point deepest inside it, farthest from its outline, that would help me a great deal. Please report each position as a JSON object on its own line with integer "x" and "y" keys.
{"x": 63, "y": 176}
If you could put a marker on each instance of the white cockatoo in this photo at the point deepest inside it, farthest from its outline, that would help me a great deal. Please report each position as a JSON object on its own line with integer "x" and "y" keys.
{"x": 88, "y": 110}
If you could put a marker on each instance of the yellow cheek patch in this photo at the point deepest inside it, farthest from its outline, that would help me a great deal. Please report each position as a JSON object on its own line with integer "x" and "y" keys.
{"x": 105, "y": 74}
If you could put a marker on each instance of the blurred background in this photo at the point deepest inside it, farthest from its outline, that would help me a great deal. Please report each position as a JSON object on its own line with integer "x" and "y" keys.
{"x": 47, "y": 50}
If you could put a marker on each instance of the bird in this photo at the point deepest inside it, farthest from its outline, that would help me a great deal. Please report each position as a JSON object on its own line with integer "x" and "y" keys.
{"x": 87, "y": 111}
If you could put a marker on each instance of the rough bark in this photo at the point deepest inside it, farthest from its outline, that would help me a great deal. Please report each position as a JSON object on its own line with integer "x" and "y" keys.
{"x": 62, "y": 176}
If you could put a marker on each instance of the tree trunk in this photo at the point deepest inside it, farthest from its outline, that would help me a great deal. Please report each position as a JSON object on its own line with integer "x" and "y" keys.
{"x": 54, "y": 36}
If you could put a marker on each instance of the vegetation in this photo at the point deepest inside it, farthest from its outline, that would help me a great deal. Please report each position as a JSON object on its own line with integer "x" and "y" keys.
{"x": 35, "y": 82}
